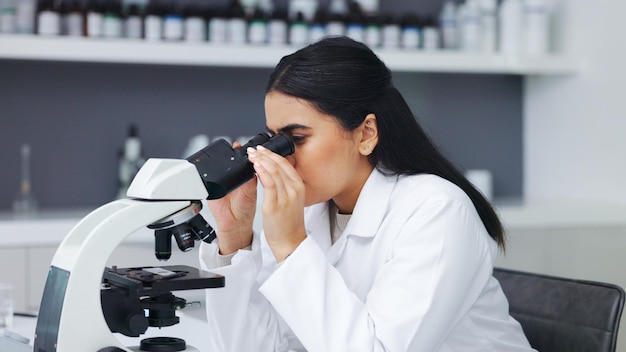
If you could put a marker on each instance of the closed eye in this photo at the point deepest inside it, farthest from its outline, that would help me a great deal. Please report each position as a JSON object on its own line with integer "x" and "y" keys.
{"x": 298, "y": 139}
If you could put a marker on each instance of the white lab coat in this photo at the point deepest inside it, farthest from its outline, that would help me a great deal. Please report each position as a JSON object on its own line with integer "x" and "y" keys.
{"x": 411, "y": 272}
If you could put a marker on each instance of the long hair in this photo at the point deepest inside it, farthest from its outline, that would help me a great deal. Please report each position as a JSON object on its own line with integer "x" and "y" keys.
{"x": 345, "y": 79}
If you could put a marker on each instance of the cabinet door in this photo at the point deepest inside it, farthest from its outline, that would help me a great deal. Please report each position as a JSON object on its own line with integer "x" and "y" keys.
{"x": 13, "y": 262}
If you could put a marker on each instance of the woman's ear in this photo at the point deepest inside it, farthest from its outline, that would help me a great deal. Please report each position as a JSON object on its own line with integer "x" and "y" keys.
{"x": 369, "y": 135}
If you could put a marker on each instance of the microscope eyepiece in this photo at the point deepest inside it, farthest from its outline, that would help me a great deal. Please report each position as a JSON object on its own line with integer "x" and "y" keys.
{"x": 280, "y": 144}
{"x": 223, "y": 168}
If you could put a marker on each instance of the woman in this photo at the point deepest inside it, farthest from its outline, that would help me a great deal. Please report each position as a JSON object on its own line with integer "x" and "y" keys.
{"x": 372, "y": 240}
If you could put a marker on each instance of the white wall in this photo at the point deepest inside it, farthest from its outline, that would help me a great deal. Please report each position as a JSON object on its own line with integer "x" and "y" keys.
{"x": 575, "y": 126}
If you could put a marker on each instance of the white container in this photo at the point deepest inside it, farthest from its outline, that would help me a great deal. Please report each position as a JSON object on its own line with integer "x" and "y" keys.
{"x": 153, "y": 28}
{"x": 277, "y": 31}
{"x": 536, "y": 27}
{"x": 470, "y": 26}
{"x": 8, "y": 16}
{"x": 133, "y": 25}
{"x": 356, "y": 31}
{"x": 49, "y": 23}
{"x": 299, "y": 32}
{"x": 173, "y": 27}
{"x": 431, "y": 39}
{"x": 391, "y": 34}
{"x": 195, "y": 29}
{"x": 372, "y": 35}
{"x": 73, "y": 24}
{"x": 489, "y": 26}
{"x": 218, "y": 27}
{"x": 410, "y": 38}
{"x": 236, "y": 30}
{"x": 25, "y": 16}
{"x": 111, "y": 26}
{"x": 448, "y": 26}
{"x": 510, "y": 16}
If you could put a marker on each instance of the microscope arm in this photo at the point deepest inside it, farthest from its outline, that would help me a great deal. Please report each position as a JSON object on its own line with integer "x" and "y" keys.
{"x": 70, "y": 317}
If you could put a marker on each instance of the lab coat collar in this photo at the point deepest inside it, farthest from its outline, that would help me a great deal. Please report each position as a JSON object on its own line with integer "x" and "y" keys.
{"x": 371, "y": 205}
{"x": 367, "y": 216}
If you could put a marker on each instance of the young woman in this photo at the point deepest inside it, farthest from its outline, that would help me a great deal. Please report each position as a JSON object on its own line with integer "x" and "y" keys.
{"x": 372, "y": 240}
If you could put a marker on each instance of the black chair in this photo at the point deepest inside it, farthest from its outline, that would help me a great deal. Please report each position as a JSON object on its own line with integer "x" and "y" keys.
{"x": 563, "y": 315}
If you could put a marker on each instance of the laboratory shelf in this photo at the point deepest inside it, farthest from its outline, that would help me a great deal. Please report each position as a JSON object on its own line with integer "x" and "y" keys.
{"x": 127, "y": 51}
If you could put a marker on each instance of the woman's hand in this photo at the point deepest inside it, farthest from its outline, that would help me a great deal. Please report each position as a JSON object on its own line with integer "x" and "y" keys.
{"x": 234, "y": 215}
{"x": 283, "y": 201}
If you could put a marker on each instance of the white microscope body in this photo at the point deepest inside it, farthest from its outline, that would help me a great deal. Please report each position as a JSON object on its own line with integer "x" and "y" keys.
{"x": 71, "y": 317}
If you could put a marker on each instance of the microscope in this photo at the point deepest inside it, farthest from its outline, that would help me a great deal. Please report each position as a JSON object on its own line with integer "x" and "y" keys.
{"x": 84, "y": 302}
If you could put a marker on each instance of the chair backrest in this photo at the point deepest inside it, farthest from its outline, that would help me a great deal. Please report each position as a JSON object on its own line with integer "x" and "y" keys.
{"x": 561, "y": 314}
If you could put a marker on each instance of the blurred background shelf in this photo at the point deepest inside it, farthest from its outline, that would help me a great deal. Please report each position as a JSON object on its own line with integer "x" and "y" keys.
{"x": 26, "y": 47}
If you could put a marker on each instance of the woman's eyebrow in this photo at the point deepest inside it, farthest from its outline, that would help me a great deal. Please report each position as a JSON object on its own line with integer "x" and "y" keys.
{"x": 290, "y": 127}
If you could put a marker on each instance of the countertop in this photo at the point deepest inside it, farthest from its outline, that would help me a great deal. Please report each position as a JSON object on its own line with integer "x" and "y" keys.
{"x": 49, "y": 226}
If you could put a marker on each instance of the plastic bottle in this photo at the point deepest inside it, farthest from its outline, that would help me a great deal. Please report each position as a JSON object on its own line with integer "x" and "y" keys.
{"x": 489, "y": 26}
{"x": 510, "y": 35}
{"x": 470, "y": 26}
{"x": 48, "y": 18}
{"x": 337, "y": 17}
{"x": 411, "y": 36}
{"x": 236, "y": 25}
{"x": 194, "y": 24}
{"x": 8, "y": 16}
{"x": 257, "y": 28}
{"x": 112, "y": 19}
{"x": 355, "y": 27}
{"x": 372, "y": 35}
{"x": 298, "y": 30}
{"x": 448, "y": 26}
{"x": 431, "y": 39}
{"x": 173, "y": 23}
{"x": 277, "y": 28}
{"x": 217, "y": 26}
{"x": 73, "y": 18}
{"x": 133, "y": 22}
{"x": 94, "y": 19}
{"x": 536, "y": 27}
{"x": 153, "y": 22}
{"x": 391, "y": 32}
{"x": 317, "y": 28}
{"x": 25, "y": 17}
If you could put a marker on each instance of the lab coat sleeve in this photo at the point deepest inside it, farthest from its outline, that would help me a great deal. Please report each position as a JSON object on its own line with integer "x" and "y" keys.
{"x": 436, "y": 268}
{"x": 239, "y": 317}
